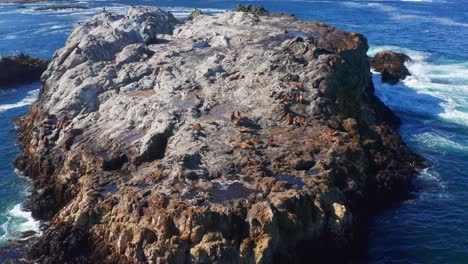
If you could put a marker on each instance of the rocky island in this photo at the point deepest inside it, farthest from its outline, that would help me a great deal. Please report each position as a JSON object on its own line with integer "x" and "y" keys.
{"x": 233, "y": 138}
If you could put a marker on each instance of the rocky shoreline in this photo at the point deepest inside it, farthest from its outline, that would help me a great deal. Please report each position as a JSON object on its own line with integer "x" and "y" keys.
{"x": 233, "y": 138}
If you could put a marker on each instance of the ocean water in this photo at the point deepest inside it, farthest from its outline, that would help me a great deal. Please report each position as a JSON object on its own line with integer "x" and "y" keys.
{"x": 13, "y": 187}
{"x": 432, "y": 103}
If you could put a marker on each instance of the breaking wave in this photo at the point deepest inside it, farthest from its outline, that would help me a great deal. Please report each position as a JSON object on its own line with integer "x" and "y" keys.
{"x": 444, "y": 80}
{"x": 29, "y": 99}
{"x": 18, "y": 221}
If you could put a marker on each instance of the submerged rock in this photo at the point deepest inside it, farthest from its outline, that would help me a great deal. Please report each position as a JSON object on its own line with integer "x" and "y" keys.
{"x": 20, "y": 69}
{"x": 391, "y": 65}
{"x": 257, "y": 146}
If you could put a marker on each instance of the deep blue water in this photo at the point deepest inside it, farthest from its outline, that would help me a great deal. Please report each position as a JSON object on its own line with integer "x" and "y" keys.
{"x": 433, "y": 105}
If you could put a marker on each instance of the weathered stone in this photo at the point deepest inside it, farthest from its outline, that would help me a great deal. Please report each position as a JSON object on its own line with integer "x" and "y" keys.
{"x": 391, "y": 65}
{"x": 206, "y": 168}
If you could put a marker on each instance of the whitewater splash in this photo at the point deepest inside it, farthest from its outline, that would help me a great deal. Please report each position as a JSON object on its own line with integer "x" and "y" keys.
{"x": 9, "y": 91}
{"x": 18, "y": 222}
{"x": 437, "y": 92}
{"x": 444, "y": 80}
{"x": 14, "y": 219}
{"x": 438, "y": 141}
{"x": 29, "y": 99}
{"x": 431, "y": 185}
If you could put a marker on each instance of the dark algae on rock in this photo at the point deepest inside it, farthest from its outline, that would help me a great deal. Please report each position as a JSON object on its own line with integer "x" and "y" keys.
{"x": 391, "y": 65}
{"x": 194, "y": 14}
{"x": 255, "y": 146}
{"x": 256, "y": 10}
{"x": 20, "y": 69}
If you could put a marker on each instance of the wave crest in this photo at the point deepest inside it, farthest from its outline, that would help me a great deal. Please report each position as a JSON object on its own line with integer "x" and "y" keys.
{"x": 29, "y": 99}
{"x": 444, "y": 80}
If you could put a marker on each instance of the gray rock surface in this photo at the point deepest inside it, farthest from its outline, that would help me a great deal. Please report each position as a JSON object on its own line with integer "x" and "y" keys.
{"x": 228, "y": 139}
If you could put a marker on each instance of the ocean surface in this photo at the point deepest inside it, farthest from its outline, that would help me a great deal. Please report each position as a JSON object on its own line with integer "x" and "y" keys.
{"x": 433, "y": 104}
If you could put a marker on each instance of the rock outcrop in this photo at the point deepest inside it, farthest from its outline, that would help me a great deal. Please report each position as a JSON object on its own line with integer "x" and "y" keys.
{"x": 232, "y": 138}
{"x": 256, "y": 10}
{"x": 391, "y": 65}
{"x": 194, "y": 14}
{"x": 20, "y": 69}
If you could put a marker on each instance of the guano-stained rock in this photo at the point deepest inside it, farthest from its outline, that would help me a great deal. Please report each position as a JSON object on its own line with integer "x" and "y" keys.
{"x": 144, "y": 147}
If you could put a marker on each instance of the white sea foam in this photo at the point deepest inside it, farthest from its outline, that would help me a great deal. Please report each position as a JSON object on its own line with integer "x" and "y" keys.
{"x": 436, "y": 141}
{"x": 51, "y": 28}
{"x": 383, "y": 7}
{"x": 6, "y": 232}
{"x": 29, "y": 99}
{"x": 85, "y": 14}
{"x": 396, "y": 14}
{"x": 18, "y": 221}
{"x": 7, "y": 91}
{"x": 429, "y": 19}
{"x": 432, "y": 184}
{"x": 352, "y": 4}
{"x": 415, "y": 55}
{"x": 451, "y": 113}
{"x": 453, "y": 94}
{"x": 431, "y": 175}
{"x": 25, "y": 221}
{"x": 446, "y": 81}
{"x": 10, "y": 37}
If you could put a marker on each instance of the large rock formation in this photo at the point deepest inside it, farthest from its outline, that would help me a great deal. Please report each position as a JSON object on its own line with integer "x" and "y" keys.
{"x": 391, "y": 65}
{"x": 232, "y": 138}
{"x": 20, "y": 69}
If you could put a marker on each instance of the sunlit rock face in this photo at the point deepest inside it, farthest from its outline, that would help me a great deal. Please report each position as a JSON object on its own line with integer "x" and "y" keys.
{"x": 233, "y": 138}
